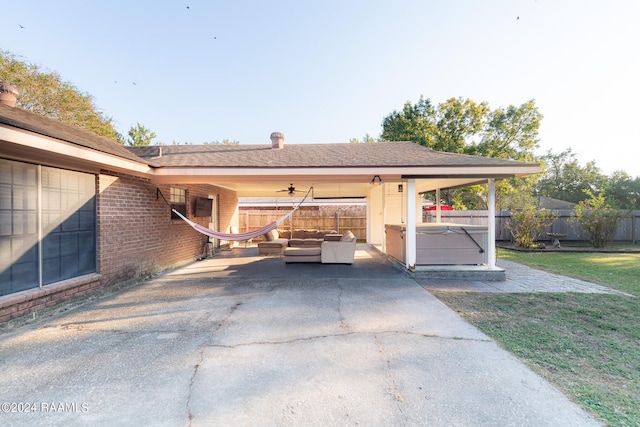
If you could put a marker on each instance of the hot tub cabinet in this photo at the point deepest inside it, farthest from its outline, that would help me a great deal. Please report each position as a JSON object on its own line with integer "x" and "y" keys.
{"x": 441, "y": 243}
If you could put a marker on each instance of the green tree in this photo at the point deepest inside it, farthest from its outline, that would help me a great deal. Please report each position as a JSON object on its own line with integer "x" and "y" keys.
{"x": 458, "y": 123}
{"x": 464, "y": 126}
{"x": 366, "y": 139}
{"x": 140, "y": 136}
{"x": 622, "y": 191}
{"x": 511, "y": 133}
{"x": 44, "y": 93}
{"x": 565, "y": 179}
{"x": 414, "y": 123}
{"x": 223, "y": 142}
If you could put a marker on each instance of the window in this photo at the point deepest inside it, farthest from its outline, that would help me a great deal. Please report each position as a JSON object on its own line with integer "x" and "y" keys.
{"x": 178, "y": 199}
{"x": 47, "y": 225}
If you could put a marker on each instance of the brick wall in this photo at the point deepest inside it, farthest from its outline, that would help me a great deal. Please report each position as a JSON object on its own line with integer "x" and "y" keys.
{"x": 135, "y": 237}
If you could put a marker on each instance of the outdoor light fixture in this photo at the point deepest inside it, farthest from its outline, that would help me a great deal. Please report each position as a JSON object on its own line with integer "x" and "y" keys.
{"x": 376, "y": 177}
{"x": 399, "y": 188}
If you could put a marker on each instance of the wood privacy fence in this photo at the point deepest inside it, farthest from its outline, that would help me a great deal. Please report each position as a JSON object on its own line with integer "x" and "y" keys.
{"x": 628, "y": 230}
{"x": 353, "y": 218}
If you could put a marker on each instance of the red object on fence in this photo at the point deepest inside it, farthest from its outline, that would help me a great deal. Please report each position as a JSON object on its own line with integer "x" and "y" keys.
{"x": 442, "y": 208}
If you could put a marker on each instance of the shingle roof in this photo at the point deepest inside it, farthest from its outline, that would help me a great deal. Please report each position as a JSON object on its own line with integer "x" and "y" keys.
{"x": 336, "y": 155}
{"x": 378, "y": 154}
{"x": 26, "y": 120}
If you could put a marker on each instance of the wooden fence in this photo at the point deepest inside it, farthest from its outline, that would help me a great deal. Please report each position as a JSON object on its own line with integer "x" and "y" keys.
{"x": 340, "y": 220}
{"x": 354, "y": 219}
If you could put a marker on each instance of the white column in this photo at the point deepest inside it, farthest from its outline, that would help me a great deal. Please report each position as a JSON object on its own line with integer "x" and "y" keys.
{"x": 410, "y": 235}
{"x": 438, "y": 211}
{"x": 491, "y": 249}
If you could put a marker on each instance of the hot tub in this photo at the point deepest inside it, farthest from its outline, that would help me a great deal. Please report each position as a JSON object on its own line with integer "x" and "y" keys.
{"x": 441, "y": 243}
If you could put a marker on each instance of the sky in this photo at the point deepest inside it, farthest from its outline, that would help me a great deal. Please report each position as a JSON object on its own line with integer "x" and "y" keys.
{"x": 198, "y": 71}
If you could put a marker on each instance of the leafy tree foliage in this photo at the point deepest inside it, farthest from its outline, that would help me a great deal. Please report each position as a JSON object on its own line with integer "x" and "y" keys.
{"x": 466, "y": 127}
{"x": 44, "y": 93}
{"x": 140, "y": 136}
{"x": 565, "y": 179}
{"x": 366, "y": 138}
{"x": 622, "y": 191}
{"x": 224, "y": 142}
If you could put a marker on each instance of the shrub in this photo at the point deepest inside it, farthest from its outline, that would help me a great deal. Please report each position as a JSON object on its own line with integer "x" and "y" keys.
{"x": 598, "y": 220}
{"x": 528, "y": 224}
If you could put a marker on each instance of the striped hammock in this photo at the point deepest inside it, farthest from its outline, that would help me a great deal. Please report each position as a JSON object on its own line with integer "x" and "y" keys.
{"x": 235, "y": 237}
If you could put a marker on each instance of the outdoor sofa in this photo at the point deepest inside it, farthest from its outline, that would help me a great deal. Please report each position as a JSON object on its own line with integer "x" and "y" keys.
{"x": 276, "y": 241}
{"x": 335, "y": 249}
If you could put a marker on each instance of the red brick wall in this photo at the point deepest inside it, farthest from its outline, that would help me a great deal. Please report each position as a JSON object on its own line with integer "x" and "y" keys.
{"x": 135, "y": 237}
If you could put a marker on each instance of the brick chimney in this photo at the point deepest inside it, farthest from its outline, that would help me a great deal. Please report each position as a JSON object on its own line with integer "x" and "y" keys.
{"x": 8, "y": 95}
{"x": 277, "y": 140}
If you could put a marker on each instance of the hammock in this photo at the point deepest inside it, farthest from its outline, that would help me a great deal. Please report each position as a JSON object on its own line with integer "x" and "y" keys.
{"x": 240, "y": 236}
{"x": 233, "y": 236}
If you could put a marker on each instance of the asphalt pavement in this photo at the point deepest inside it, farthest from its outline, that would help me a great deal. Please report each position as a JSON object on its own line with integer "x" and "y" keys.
{"x": 242, "y": 340}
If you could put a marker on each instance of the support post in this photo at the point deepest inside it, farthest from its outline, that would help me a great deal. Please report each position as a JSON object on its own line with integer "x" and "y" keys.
{"x": 491, "y": 250}
{"x": 410, "y": 234}
{"x": 438, "y": 209}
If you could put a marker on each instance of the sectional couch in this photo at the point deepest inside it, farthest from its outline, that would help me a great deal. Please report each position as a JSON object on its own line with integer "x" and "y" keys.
{"x": 276, "y": 241}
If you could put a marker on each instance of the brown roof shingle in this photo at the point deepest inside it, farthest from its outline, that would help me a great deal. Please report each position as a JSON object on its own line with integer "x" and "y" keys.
{"x": 26, "y": 120}
{"x": 378, "y": 154}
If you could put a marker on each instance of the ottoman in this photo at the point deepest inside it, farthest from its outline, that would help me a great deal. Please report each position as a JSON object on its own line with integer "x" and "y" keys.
{"x": 302, "y": 254}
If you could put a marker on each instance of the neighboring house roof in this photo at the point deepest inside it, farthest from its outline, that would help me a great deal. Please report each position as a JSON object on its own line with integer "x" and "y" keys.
{"x": 551, "y": 203}
{"x": 336, "y": 155}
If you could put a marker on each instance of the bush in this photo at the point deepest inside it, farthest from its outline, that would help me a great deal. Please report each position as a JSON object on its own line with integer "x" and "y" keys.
{"x": 528, "y": 224}
{"x": 598, "y": 220}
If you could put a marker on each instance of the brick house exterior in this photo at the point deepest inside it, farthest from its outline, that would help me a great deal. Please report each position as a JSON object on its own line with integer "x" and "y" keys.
{"x": 134, "y": 233}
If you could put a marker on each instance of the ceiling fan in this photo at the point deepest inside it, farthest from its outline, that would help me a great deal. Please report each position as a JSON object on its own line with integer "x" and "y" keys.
{"x": 291, "y": 191}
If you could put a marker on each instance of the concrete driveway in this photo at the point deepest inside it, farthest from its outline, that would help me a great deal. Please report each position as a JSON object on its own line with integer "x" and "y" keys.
{"x": 251, "y": 341}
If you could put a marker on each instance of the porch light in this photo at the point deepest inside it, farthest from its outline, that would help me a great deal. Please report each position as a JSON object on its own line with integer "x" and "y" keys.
{"x": 376, "y": 177}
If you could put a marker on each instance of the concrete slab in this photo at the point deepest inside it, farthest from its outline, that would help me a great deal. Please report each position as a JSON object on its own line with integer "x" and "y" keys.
{"x": 252, "y": 341}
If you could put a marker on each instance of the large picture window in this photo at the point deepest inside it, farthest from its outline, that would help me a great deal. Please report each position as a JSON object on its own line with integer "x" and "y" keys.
{"x": 47, "y": 225}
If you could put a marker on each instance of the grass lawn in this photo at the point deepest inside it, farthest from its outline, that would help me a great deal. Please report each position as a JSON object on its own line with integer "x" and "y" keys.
{"x": 587, "y": 345}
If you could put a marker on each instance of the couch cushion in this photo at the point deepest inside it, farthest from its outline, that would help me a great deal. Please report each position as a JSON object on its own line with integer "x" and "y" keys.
{"x": 277, "y": 243}
{"x": 296, "y": 242}
{"x": 306, "y": 251}
{"x": 312, "y": 242}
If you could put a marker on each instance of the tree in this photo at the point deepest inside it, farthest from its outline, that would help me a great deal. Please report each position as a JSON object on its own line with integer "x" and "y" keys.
{"x": 565, "y": 179}
{"x": 457, "y": 123}
{"x": 511, "y": 133}
{"x": 139, "y": 136}
{"x": 415, "y": 123}
{"x": 44, "y": 93}
{"x": 621, "y": 191}
{"x": 464, "y": 126}
{"x": 366, "y": 138}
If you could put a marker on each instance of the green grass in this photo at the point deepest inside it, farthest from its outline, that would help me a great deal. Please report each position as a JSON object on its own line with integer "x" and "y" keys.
{"x": 588, "y": 345}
